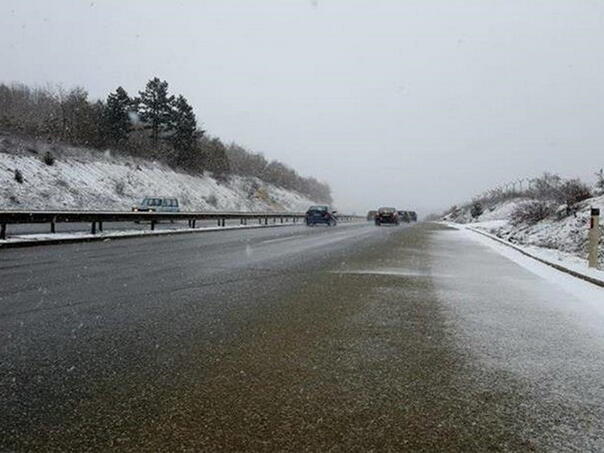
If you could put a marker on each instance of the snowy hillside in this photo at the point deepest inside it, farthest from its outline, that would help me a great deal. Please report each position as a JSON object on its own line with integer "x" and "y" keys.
{"x": 88, "y": 179}
{"x": 565, "y": 235}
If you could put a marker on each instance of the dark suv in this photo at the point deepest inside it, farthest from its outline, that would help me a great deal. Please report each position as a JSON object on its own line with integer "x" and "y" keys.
{"x": 320, "y": 214}
{"x": 387, "y": 215}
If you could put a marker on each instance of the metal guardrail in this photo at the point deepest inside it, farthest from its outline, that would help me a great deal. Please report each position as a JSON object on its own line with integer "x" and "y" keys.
{"x": 96, "y": 218}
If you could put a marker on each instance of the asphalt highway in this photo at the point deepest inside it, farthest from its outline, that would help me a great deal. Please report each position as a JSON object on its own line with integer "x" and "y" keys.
{"x": 353, "y": 338}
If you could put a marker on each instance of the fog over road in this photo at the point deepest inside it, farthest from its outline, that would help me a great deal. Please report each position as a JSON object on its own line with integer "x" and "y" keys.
{"x": 346, "y": 338}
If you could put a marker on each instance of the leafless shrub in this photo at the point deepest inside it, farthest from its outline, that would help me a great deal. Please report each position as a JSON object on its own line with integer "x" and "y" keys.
{"x": 476, "y": 210}
{"x": 599, "y": 186}
{"x": 572, "y": 192}
{"x": 120, "y": 188}
{"x": 531, "y": 212}
{"x": 48, "y": 158}
{"x": 545, "y": 187}
{"x": 212, "y": 200}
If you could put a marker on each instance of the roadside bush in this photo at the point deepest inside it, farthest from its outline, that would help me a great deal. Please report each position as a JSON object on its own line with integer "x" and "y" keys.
{"x": 48, "y": 158}
{"x": 120, "y": 187}
{"x": 212, "y": 200}
{"x": 476, "y": 210}
{"x": 545, "y": 187}
{"x": 531, "y": 212}
{"x": 599, "y": 186}
{"x": 572, "y": 192}
{"x": 19, "y": 176}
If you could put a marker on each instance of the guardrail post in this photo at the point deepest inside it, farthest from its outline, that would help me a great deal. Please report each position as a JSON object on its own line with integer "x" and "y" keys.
{"x": 223, "y": 221}
{"x": 101, "y": 227}
{"x": 52, "y": 226}
{"x": 281, "y": 219}
{"x": 152, "y": 224}
{"x": 266, "y": 220}
{"x": 3, "y": 231}
{"x": 218, "y": 222}
{"x": 594, "y": 239}
{"x": 193, "y": 223}
{"x": 93, "y": 228}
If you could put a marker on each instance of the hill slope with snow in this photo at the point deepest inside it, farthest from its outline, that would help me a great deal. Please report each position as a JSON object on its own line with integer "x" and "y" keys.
{"x": 87, "y": 179}
{"x": 564, "y": 235}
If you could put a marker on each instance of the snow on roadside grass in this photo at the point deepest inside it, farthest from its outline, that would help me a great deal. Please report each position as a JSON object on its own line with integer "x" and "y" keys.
{"x": 567, "y": 235}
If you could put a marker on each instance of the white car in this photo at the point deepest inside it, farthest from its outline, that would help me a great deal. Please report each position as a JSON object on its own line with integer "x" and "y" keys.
{"x": 157, "y": 204}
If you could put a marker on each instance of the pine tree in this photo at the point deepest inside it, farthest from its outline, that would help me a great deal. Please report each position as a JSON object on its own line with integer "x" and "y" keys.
{"x": 116, "y": 116}
{"x": 214, "y": 157}
{"x": 183, "y": 125}
{"x": 155, "y": 108}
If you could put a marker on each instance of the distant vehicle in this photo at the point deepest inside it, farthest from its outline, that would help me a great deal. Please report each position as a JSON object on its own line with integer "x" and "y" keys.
{"x": 387, "y": 215}
{"x": 404, "y": 216}
{"x": 321, "y": 214}
{"x": 407, "y": 216}
{"x": 157, "y": 204}
{"x": 371, "y": 215}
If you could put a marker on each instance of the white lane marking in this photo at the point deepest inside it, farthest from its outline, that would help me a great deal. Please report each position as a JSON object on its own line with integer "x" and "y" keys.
{"x": 269, "y": 241}
{"x": 391, "y": 271}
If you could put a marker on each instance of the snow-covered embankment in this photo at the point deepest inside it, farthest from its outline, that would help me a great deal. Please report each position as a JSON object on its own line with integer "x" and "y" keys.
{"x": 87, "y": 179}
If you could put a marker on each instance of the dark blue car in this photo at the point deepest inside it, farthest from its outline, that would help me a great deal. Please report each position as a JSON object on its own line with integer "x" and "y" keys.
{"x": 321, "y": 214}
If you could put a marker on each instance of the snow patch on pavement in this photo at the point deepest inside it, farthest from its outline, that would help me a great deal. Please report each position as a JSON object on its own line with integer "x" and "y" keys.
{"x": 588, "y": 293}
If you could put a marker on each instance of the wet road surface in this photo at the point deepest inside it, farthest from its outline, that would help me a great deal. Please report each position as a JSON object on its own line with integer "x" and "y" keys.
{"x": 352, "y": 338}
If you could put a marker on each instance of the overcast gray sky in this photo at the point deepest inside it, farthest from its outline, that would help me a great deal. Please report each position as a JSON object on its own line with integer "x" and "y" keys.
{"x": 409, "y": 103}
